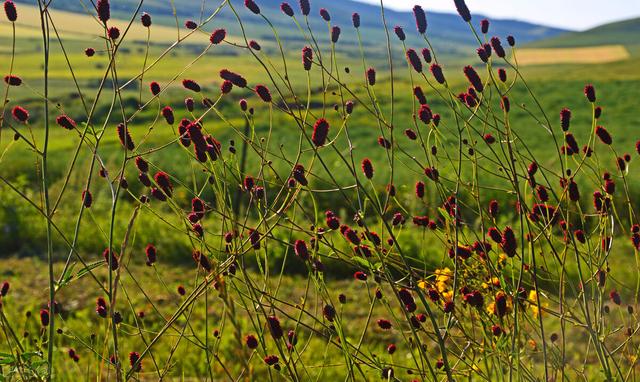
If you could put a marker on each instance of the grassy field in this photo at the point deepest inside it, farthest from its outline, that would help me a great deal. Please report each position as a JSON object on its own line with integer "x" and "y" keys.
{"x": 217, "y": 317}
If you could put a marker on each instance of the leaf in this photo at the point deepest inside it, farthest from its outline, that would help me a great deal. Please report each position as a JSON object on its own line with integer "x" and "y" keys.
{"x": 363, "y": 262}
{"x": 7, "y": 359}
{"x": 67, "y": 276}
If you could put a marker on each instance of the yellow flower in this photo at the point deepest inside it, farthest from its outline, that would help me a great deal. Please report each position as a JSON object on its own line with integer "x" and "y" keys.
{"x": 502, "y": 260}
{"x": 491, "y": 308}
{"x": 444, "y": 274}
{"x": 422, "y": 284}
{"x": 533, "y": 303}
{"x": 442, "y": 287}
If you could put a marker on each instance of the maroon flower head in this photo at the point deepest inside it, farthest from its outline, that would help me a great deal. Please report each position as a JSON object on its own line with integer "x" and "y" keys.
{"x": 604, "y": 135}
{"x": 511, "y": 40}
{"x": 235, "y": 78}
{"x": 190, "y": 24}
{"x": 125, "y": 137}
{"x": 298, "y": 174}
{"x": 191, "y": 85}
{"x": 414, "y": 60}
{"x": 274, "y": 327}
{"x": 335, "y": 34}
{"x": 134, "y": 361}
{"x": 484, "y": 26}
{"x": 254, "y": 239}
{"x": 110, "y": 257}
{"x": 615, "y": 297}
{"x": 104, "y": 10}
{"x": 145, "y": 19}
{"x": 638, "y": 147}
{"x": 181, "y": 290}
{"x": 590, "y": 93}
{"x": 151, "y": 254}
{"x": 426, "y": 54}
{"x": 367, "y": 168}
{"x": 419, "y": 94}
{"x": 44, "y": 317}
{"x": 20, "y": 114}
{"x": 509, "y": 244}
{"x": 254, "y": 45}
{"x": 66, "y": 122}
{"x": 399, "y": 33}
{"x": 301, "y": 250}
{"x": 263, "y": 93}
{"x": 489, "y": 139}
{"x": 307, "y": 57}
{"x": 271, "y": 360}
{"x": 505, "y": 104}
{"x": 493, "y": 208}
{"x": 425, "y": 114}
{"x": 226, "y": 87}
{"x": 163, "y": 181}
{"x": 384, "y": 143}
{"x": 320, "y": 132}
{"x": 12, "y": 80}
{"x": 565, "y": 119}
{"x": 155, "y": 88}
{"x": 391, "y": 349}
{"x": 218, "y": 36}
{"x": 325, "y": 14}
{"x": 496, "y": 44}
{"x": 144, "y": 179}
{"x": 432, "y": 173}
{"x": 463, "y": 11}
{"x": 87, "y": 198}
{"x": 286, "y": 9}
{"x": 167, "y": 113}
{"x": 502, "y": 75}
{"x": 361, "y": 276}
{"x": 251, "y": 341}
{"x": 473, "y": 78}
{"x": 348, "y": 106}
{"x": 252, "y": 6}
{"x": 482, "y": 53}
{"x": 201, "y": 260}
{"x": 305, "y": 7}
{"x": 420, "y": 189}
{"x": 89, "y": 52}
{"x": 355, "y": 20}
{"x": 113, "y": 33}
{"x": 384, "y": 324}
{"x": 371, "y": 76}
{"x": 597, "y": 112}
{"x": 329, "y": 312}
{"x": 421, "y": 19}
{"x": 4, "y": 290}
{"x": 436, "y": 71}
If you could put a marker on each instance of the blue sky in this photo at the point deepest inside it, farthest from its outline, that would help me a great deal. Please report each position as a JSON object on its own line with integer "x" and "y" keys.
{"x": 569, "y": 14}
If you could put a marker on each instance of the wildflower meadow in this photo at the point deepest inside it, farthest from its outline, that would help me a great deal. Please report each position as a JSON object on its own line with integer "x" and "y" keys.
{"x": 262, "y": 193}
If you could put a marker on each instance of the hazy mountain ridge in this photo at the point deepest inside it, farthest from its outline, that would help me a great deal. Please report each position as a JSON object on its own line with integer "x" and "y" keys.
{"x": 445, "y": 30}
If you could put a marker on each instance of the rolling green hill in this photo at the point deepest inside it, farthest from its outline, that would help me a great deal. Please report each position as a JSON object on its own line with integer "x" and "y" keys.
{"x": 623, "y": 32}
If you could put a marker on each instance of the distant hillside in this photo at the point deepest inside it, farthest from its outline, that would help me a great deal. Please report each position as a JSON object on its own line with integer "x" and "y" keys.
{"x": 620, "y": 33}
{"x": 447, "y": 31}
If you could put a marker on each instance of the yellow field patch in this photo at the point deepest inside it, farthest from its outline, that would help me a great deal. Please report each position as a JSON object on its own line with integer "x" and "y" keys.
{"x": 82, "y": 27}
{"x": 586, "y": 55}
